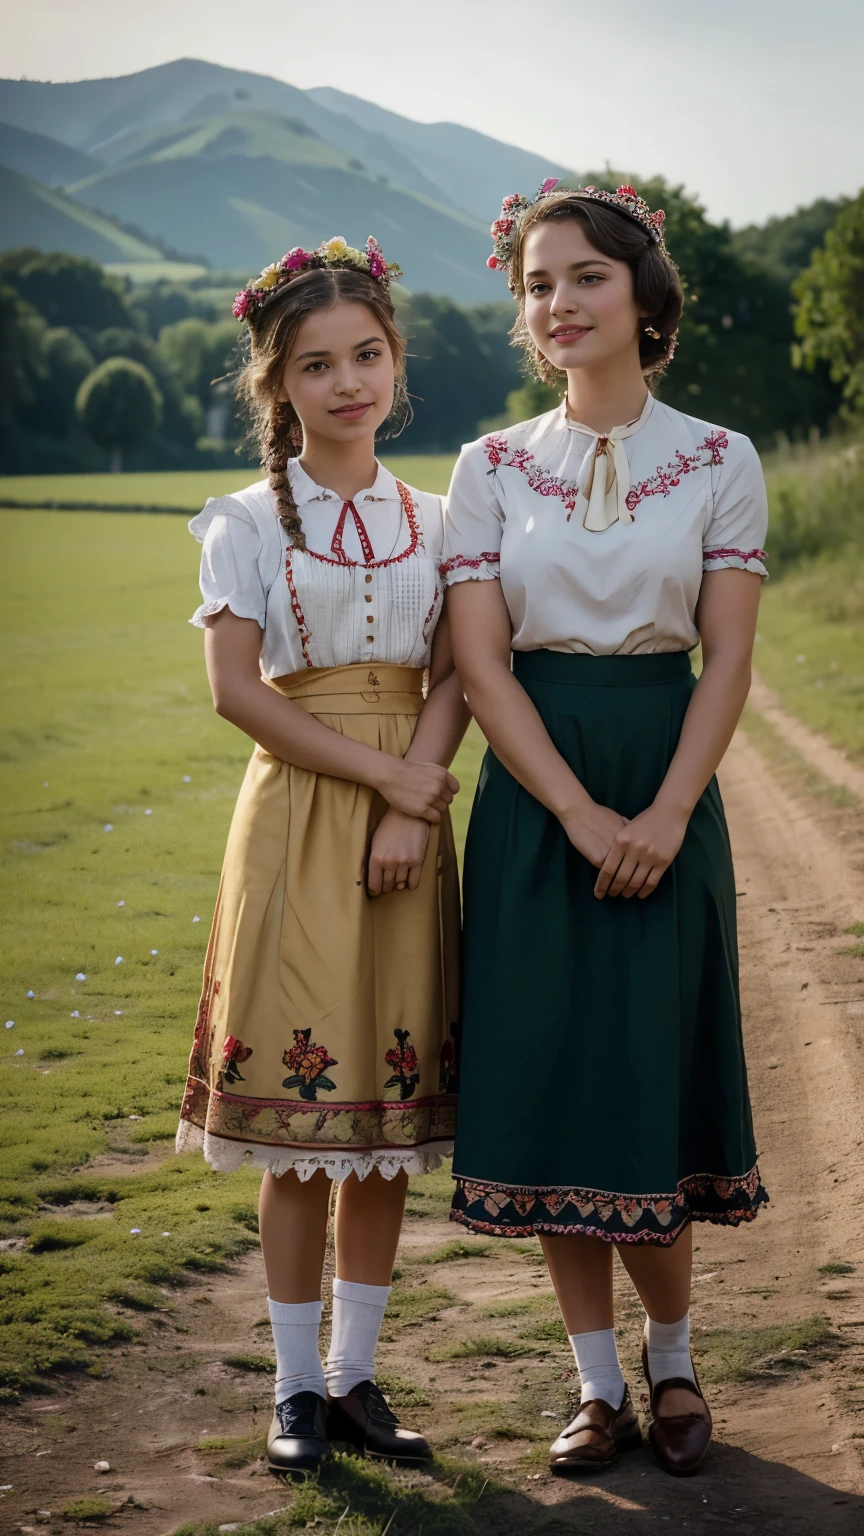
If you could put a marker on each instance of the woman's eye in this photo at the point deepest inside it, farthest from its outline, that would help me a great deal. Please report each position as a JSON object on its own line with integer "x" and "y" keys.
{"x": 366, "y": 356}
{"x": 315, "y": 367}
{"x": 538, "y": 288}
{"x": 591, "y": 277}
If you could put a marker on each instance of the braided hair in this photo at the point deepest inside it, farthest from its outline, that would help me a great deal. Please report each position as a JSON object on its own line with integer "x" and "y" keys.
{"x": 275, "y": 427}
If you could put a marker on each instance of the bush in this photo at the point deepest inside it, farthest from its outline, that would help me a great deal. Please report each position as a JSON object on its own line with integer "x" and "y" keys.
{"x": 817, "y": 511}
{"x": 119, "y": 406}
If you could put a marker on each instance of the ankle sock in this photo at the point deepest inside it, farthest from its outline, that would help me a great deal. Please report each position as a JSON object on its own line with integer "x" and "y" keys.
{"x": 358, "y": 1311}
{"x": 599, "y": 1367}
{"x": 669, "y": 1350}
{"x": 295, "y": 1334}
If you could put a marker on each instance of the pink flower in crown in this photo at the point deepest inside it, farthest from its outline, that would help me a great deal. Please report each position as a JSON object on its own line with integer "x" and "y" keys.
{"x": 508, "y": 202}
{"x": 294, "y": 260}
{"x": 626, "y": 191}
{"x": 242, "y": 305}
{"x": 658, "y": 217}
{"x": 502, "y": 227}
{"x": 377, "y": 265}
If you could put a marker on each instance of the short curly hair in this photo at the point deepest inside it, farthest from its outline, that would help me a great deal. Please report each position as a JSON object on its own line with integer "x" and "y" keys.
{"x": 656, "y": 284}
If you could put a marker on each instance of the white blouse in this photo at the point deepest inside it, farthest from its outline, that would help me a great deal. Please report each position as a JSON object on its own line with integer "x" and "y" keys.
{"x": 600, "y": 542}
{"x": 367, "y": 587}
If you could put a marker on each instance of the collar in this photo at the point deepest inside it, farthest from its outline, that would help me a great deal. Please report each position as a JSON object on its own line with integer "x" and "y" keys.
{"x": 306, "y": 490}
{"x": 627, "y": 430}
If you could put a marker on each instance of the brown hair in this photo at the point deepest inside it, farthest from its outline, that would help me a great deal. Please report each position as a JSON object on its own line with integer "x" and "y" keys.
{"x": 656, "y": 284}
{"x": 275, "y": 425}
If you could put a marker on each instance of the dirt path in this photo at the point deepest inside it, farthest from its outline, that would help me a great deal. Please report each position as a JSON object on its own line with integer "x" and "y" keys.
{"x": 472, "y": 1352}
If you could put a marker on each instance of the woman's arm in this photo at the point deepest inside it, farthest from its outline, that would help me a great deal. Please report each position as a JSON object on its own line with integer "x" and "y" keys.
{"x": 284, "y": 729}
{"x": 481, "y": 632}
{"x": 399, "y": 844}
{"x": 726, "y": 620}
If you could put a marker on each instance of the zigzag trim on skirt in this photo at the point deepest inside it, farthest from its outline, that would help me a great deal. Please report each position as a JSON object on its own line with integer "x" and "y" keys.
{"x": 291, "y": 1123}
{"x": 523, "y": 1211}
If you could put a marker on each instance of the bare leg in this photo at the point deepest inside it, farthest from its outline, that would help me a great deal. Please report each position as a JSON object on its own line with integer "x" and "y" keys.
{"x": 581, "y": 1271}
{"x": 368, "y": 1222}
{"x": 292, "y": 1220}
{"x": 662, "y": 1277}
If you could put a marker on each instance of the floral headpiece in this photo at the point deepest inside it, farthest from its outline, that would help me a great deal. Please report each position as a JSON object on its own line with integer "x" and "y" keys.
{"x": 334, "y": 255}
{"x": 626, "y": 200}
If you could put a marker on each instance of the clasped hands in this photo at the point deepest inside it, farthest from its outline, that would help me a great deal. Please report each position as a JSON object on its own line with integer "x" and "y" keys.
{"x": 632, "y": 856}
{"x": 418, "y": 795}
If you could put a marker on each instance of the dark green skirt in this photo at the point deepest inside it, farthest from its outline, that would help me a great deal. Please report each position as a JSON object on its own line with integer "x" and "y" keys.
{"x": 603, "y": 1087}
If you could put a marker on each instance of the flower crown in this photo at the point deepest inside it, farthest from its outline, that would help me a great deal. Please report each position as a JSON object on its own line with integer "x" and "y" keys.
{"x": 626, "y": 200}
{"x": 334, "y": 255}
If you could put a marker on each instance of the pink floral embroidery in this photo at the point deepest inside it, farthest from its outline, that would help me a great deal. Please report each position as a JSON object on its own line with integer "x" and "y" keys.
{"x": 664, "y": 480}
{"x": 469, "y": 562}
{"x": 540, "y": 480}
{"x": 741, "y": 554}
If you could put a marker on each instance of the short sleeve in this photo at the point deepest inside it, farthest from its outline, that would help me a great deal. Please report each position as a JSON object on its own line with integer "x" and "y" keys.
{"x": 230, "y": 573}
{"x": 735, "y": 537}
{"x": 473, "y": 521}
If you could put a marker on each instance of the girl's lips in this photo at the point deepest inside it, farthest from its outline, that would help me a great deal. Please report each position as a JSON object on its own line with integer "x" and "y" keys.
{"x": 570, "y": 333}
{"x": 352, "y": 412}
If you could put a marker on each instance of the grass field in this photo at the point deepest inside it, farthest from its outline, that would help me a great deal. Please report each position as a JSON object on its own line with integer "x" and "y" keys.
{"x": 108, "y": 724}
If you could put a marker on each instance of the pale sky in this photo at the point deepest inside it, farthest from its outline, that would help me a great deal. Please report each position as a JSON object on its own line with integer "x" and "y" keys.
{"x": 756, "y": 105}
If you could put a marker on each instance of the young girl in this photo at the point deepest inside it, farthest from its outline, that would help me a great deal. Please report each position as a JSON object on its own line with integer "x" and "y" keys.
{"x": 323, "y": 1046}
{"x": 603, "y": 1093}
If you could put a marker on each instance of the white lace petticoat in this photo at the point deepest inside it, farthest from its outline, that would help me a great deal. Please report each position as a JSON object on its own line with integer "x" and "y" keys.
{"x": 225, "y": 1156}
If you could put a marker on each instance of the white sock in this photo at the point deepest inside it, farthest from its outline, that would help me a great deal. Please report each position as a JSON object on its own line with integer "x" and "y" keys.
{"x": 295, "y": 1334}
{"x": 358, "y": 1311}
{"x": 599, "y": 1367}
{"x": 669, "y": 1350}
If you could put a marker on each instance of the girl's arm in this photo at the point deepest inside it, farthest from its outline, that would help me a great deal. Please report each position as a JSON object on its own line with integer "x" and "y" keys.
{"x": 481, "y": 632}
{"x": 726, "y": 619}
{"x": 284, "y": 729}
{"x": 399, "y": 845}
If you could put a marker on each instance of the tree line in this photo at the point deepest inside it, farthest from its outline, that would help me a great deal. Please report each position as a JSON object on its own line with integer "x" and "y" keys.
{"x": 98, "y": 373}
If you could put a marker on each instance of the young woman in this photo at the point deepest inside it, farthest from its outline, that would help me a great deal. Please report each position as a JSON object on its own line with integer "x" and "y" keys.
{"x": 323, "y": 1047}
{"x": 603, "y": 1093}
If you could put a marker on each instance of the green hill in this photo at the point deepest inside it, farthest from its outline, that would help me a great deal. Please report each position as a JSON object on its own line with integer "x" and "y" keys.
{"x": 46, "y": 160}
{"x": 35, "y": 215}
{"x": 242, "y": 189}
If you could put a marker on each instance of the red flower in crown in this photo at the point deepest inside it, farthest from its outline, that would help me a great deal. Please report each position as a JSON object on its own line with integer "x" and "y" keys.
{"x": 624, "y": 191}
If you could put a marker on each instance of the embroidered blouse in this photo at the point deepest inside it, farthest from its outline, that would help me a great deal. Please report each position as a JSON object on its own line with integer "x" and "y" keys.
{"x": 600, "y": 542}
{"x": 367, "y": 587}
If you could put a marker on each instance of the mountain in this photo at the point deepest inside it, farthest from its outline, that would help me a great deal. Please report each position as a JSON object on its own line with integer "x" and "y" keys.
{"x": 36, "y": 215}
{"x": 472, "y": 171}
{"x": 46, "y": 160}
{"x": 245, "y": 188}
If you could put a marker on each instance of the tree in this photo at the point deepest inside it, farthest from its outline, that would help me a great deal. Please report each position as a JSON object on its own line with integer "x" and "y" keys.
{"x": 67, "y": 363}
{"x": 66, "y": 290}
{"x": 22, "y": 360}
{"x": 119, "y": 406}
{"x": 829, "y": 312}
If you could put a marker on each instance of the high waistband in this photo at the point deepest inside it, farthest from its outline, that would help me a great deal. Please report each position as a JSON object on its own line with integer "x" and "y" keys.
{"x": 355, "y": 690}
{"x": 577, "y": 671}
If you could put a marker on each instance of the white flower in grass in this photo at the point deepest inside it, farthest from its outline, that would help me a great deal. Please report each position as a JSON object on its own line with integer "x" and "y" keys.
{"x": 118, "y": 1013}
{"x": 10, "y": 1023}
{"x": 75, "y": 1015}
{"x": 187, "y": 778}
{"x": 119, "y": 960}
{"x": 109, "y": 826}
{"x": 134, "y": 1231}
{"x": 154, "y": 951}
{"x": 121, "y": 903}
{"x": 148, "y": 813}
{"x": 31, "y": 994}
{"x": 80, "y": 976}
{"x": 196, "y": 919}
{"x": 166, "y": 1234}
{"x": 20, "y": 1051}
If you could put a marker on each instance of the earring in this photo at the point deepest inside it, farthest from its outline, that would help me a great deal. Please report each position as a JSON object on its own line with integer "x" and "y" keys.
{"x": 650, "y": 331}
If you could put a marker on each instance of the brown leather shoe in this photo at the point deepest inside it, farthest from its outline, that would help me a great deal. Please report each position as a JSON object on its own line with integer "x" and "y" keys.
{"x": 365, "y": 1419}
{"x": 596, "y": 1436}
{"x": 680, "y": 1441}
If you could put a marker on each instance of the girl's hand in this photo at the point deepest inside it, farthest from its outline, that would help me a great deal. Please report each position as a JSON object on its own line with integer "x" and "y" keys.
{"x": 593, "y": 831}
{"x": 396, "y": 854}
{"x": 641, "y": 853}
{"x": 417, "y": 789}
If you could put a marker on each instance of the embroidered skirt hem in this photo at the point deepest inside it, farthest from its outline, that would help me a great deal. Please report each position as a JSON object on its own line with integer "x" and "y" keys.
{"x": 226, "y": 1156}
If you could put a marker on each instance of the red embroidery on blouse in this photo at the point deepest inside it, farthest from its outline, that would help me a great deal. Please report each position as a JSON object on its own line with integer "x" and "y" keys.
{"x": 540, "y": 480}
{"x": 427, "y": 623}
{"x": 409, "y": 507}
{"x": 468, "y": 562}
{"x": 743, "y": 554}
{"x": 365, "y": 542}
{"x": 297, "y": 611}
{"x": 664, "y": 480}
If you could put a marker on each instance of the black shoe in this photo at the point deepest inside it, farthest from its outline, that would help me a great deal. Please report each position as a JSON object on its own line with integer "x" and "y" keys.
{"x": 297, "y": 1440}
{"x": 367, "y": 1422}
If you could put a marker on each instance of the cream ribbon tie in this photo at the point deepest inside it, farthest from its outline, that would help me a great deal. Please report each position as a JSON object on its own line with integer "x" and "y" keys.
{"x": 604, "y": 476}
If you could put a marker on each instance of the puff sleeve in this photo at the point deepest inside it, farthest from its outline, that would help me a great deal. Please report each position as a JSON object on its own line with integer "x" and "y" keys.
{"x": 474, "y": 519}
{"x": 735, "y": 536}
{"x": 230, "y": 562}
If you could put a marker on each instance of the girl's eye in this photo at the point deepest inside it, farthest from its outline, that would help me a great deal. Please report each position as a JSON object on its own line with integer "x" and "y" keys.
{"x": 315, "y": 367}
{"x": 536, "y": 288}
{"x": 365, "y": 356}
{"x": 591, "y": 277}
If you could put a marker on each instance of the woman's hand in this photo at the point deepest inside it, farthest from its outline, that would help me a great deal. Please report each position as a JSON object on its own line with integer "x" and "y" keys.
{"x": 592, "y": 830}
{"x": 642, "y": 852}
{"x": 396, "y": 854}
{"x": 417, "y": 789}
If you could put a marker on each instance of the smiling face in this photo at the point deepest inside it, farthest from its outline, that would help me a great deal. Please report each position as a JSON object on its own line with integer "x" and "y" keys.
{"x": 579, "y": 304}
{"x": 340, "y": 373}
